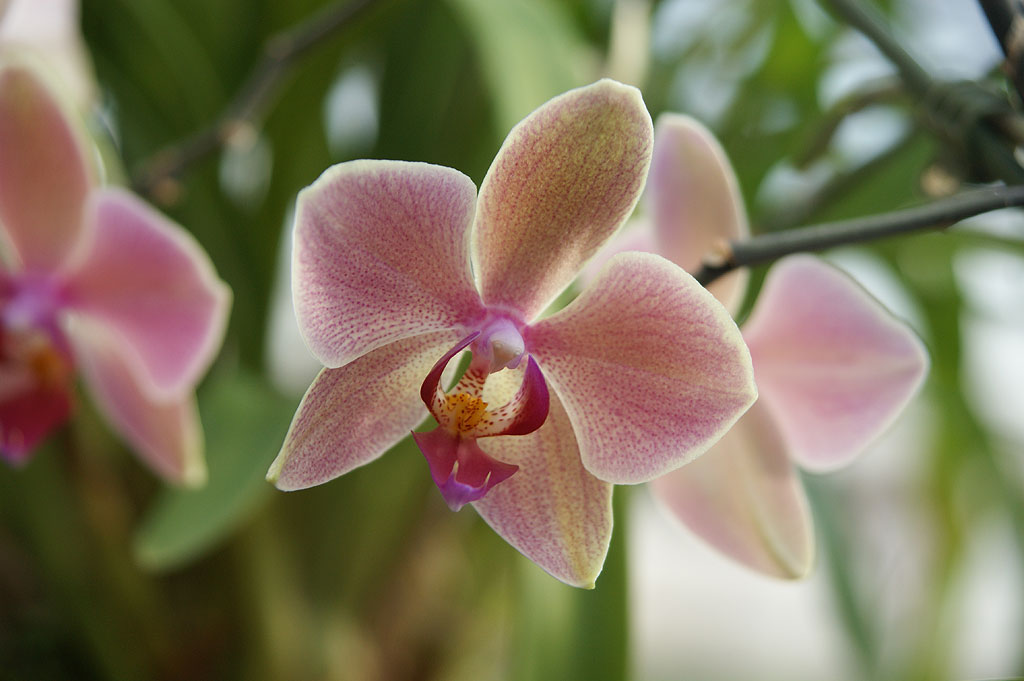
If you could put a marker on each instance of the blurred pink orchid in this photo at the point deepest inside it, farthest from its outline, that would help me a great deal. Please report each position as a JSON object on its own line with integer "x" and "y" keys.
{"x": 93, "y": 277}
{"x": 833, "y": 367}
{"x": 639, "y": 375}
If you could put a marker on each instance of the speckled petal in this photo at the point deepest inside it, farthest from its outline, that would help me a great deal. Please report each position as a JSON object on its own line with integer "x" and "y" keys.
{"x": 44, "y": 175}
{"x": 382, "y": 253}
{"x": 552, "y": 510}
{"x": 649, "y": 366}
{"x": 744, "y": 499}
{"x": 165, "y": 434}
{"x": 833, "y": 365}
{"x": 353, "y": 414}
{"x": 146, "y": 278}
{"x": 694, "y": 200}
{"x": 567, "y": 176}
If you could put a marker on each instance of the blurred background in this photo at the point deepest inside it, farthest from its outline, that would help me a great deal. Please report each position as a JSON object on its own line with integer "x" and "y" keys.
{"x": 219, "y": 113}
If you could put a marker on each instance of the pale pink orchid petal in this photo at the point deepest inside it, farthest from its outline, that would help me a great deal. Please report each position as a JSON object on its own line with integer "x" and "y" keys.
{"x": 694, "y": 201}
{"x": 833, "y": 365}
{"x": 382, "y": 253}
{"x": 49, "y": 30}
{"x": 566, "y": 177}
{"x": 552, "y": 510}
{"x": 44, "y": 174}
{"x": 353, "y": 414}
{"x": 148, "y": 280}
{"x": 650, "y": 367}
{"x": 744, "y": 498}
{"x": 165, "y": 433}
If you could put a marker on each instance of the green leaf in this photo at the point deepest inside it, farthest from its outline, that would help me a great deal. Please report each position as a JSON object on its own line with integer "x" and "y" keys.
{"x": 529, "y": 52}
{"x": 245, "y": 421}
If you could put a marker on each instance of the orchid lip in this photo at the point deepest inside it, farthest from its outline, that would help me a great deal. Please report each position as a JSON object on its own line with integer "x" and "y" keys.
{"x": 464, "y": 412}
{"x": 36, "y": 364}
{"x": 462, "y": 471}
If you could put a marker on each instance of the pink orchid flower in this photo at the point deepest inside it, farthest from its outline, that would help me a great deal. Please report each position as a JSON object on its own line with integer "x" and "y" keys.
{"x": 833, "y": 367}
{"x": 639, "y": 375}
{"x": 94, "y": 278}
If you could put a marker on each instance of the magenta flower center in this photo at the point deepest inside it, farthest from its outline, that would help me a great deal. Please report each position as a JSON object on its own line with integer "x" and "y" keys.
{"x": 36, "y": 366}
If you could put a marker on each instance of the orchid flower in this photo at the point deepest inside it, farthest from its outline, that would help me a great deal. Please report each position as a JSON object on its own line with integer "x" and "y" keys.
{"x": 637, "y": 376}
{"x": 833, "y": 367}
{"x": 94, "y": 278}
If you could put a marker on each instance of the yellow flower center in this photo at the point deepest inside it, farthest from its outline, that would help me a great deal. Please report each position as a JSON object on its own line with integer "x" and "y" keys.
{"x": 47, "y": 365}
{"x": 465, "y": 410}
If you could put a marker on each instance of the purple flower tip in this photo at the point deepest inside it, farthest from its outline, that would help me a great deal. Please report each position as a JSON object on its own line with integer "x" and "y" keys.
{"x": 460, "y": 469}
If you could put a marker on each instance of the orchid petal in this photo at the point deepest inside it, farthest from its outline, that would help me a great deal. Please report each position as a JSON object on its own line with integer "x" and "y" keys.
{"x": 432, "y": 391}
{"x": 834, "y": 366}
{"x": 382, "y": 253}
{"x": 650, "y": 367}
{"x": 165, "y": 433}
{"x": 564, "y": 180}
{"x": 44, "y": 176}
{"x": 525, "y": 411}
{"x": 744, "y": 498}
{"x": 694, "y": 200}
{"x": 146, "y": 278}
{"x": 49, "y": 29}
{"x": 353, "y": 414}
{"x": 552, "y": 510}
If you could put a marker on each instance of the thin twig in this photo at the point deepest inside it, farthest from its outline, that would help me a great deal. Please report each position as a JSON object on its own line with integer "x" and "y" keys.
{"x": 881, "y": 91}
{"x": 796, "y": 213}
{"x": 279, "y": 53}
{"x": 940, "y": 214}
{"x": 867, "y": 21}
{"x": 959, "y": 113}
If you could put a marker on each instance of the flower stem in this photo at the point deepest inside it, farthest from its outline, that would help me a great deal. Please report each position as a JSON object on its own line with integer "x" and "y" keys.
{"x": 940, "y": 214}
{"x": 860, "y": 17}
{"x": 253, "y": 98}
{"x": 967, "y": 116}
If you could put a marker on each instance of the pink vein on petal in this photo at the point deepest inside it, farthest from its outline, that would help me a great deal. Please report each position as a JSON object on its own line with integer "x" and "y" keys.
{"x": 382, "y": 253}
{"x": 650, "y": 367}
